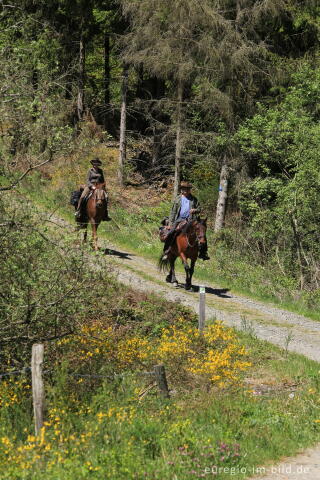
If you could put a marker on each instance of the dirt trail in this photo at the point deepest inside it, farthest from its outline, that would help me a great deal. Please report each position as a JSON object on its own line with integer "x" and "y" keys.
{"x": 285, "y": 329}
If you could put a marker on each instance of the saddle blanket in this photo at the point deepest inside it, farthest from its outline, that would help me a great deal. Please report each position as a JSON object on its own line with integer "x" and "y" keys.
{"x": 166, "y": 229}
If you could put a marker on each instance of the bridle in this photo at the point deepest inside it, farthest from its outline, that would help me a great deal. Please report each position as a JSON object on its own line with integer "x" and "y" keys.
{"x": 200, "y": 238}
{"x": 98, "y": 195}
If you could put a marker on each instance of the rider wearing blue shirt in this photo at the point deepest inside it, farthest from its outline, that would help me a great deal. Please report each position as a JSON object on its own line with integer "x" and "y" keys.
{"x": 185, "y": 207}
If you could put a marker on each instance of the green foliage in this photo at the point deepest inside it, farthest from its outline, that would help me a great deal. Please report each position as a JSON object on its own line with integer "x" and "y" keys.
{"x": 108, "y": 432}
{"x": 44, "y": 283}
{"x": 281, "y": 146}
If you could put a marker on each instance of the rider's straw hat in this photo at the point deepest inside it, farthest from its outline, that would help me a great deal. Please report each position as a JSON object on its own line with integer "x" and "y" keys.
{"x": 185, "y": 185}
{"x": 96, "y": 161}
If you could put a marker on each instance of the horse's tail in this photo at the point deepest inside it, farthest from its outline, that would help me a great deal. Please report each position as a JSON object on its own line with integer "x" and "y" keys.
{"x": 163, "y": 265}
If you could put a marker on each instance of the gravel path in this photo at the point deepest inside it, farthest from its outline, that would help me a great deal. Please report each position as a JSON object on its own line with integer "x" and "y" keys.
{"x": 283, "y": 328}
{"x": 280, "y": 327}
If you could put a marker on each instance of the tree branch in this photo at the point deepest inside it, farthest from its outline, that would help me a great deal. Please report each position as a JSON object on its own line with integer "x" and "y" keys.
{"x": 32, "y": 167}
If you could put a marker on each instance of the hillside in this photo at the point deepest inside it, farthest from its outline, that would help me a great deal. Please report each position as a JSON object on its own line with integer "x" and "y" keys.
{"x": 224, "y": 95}
{"x": 104, "y": 416}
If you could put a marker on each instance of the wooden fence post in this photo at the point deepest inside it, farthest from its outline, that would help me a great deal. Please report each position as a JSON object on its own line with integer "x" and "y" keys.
{"x": 202, "y": 308}
{"x": 161, "y": 379}
{"x": 37, "y": 386}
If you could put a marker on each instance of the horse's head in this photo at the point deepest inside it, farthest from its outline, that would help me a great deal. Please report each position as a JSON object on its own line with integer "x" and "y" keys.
{"x": 201, "y": 230}
{"x": 99, "y": 194}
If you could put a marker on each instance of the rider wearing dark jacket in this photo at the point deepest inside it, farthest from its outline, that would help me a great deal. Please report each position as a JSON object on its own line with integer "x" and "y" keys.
{"x": 192, "y": 212}
{"x": 95, "y": 176}
{"x": 185, "y": 207}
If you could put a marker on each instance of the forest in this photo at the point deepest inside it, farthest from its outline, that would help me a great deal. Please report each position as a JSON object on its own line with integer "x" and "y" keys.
{"x": 224, "y": 94}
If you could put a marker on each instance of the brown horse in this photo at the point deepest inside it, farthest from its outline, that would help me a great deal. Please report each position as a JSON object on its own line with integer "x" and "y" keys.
{"x": 186, "y": 246}
{"x": 95, "y": 211}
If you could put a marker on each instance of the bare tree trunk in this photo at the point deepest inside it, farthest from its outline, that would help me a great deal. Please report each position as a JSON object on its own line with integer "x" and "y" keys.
{"x": 80, "y": 102}
{"x": 222, "y": 197}
{"x": 106, "y": 79}
{"x": 300, "y": 253}
{"x": 177, "y": 163}
{"x": 35, "y": 85}
{"x": 156, "y": 147}
{"x": 122, "y": 145}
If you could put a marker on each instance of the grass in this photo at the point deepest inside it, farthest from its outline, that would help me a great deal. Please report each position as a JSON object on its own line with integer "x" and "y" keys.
{"x": 107, "y": 432}
{"x": 108, "y": 429}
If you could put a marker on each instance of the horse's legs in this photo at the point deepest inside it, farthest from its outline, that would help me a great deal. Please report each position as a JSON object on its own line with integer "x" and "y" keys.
{"x": 172, "y": 273}
{"x": 171, "y": 277}
{"x": 85, "y": 233}
{"x": 94, "y": 227}
{"x": 193, "y": 261}
{"x": 187, "y": 270}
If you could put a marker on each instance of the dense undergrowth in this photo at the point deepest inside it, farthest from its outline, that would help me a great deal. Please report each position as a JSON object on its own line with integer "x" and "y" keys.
{"x": 236, "y": 402}
{"x": 120, "y": 428}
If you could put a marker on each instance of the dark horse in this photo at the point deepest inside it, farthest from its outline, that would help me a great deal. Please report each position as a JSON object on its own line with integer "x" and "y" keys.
{"x": 186, "y": 246}
{"x": 94, "y": 212}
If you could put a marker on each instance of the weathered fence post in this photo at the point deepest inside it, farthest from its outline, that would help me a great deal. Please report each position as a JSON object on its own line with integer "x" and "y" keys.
{"x": 202, "y": 308}
{"x": 37, "y": 385}
{"x": 161, "y": 379}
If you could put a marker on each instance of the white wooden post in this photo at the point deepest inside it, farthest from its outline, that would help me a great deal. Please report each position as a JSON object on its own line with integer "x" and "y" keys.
{"x": 37, "y": 386}
{"x": 202, "y": 308}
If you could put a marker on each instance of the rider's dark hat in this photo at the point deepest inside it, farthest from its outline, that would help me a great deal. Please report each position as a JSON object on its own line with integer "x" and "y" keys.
{"x": 185, "y": 185}
{"x": 96, "y": 161}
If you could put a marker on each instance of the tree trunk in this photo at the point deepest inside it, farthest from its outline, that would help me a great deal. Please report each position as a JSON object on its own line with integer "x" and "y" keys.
{"x": 177, "y": 163}
{"x": 156, "y": 147}
{"x": 106, "y": 79}
{"x": 222, "y": 197}
{"x": 35, "y": 85}
{"x": 81, "y": 80}
{"x": 303, "y": 262}
{"x": 122, "y": 145}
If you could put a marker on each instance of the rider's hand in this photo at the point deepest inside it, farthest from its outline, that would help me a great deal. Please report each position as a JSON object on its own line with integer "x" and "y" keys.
{"x": 192, "y": 210}
{"x": 93, "y": 187}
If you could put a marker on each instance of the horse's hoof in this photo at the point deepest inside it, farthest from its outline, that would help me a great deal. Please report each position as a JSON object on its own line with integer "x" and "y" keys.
{"x": 175, "y": 284}
{"x": 168, "y": 279}
{"x": 188, "y": 287}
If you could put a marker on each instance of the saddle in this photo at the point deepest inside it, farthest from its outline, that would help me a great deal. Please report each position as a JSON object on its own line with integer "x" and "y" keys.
{"x": 166, "y": 229}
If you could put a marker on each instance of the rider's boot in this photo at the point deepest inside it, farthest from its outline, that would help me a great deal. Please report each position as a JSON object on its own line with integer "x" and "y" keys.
{"x": 77, "y": 213}
{"x": 167, "y": 246}
{"x": 106, "y": 216}
{"x": 203, "y": 252}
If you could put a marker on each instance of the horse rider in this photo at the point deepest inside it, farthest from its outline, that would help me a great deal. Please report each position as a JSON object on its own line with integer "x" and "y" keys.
{"x": 185, "y": 207}
{"x": 95, "y": 176}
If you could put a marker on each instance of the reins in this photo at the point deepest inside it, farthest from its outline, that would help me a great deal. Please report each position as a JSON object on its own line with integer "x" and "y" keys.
{"x": 198, "y": 238}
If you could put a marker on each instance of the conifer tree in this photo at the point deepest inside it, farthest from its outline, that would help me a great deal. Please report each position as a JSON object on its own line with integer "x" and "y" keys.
{"x": 208, "y": 44}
